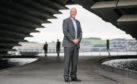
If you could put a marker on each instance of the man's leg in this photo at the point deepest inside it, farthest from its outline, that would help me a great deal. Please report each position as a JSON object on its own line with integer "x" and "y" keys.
{"x": 45, "y": 53}
{"x": 74, "y": 62}
{"x": 67, "y": 58}
{"x": 57, "y": 54}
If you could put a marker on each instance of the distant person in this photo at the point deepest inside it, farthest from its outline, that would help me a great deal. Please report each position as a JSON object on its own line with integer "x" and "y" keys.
{"x": 45, "y": 47}
{"x": 108, "y": 48}
{"x": 58, "y": 47}
{"x": 71, "y": 42}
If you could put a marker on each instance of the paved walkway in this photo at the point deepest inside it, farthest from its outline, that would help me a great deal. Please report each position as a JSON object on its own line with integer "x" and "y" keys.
{"x": 50, "y": 71}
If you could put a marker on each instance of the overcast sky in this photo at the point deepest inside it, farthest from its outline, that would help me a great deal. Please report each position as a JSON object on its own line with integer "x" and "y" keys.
{"x": 92, "y": 26}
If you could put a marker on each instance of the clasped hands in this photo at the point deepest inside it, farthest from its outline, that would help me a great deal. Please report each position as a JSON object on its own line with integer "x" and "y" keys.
{"x": 75, "y": 41}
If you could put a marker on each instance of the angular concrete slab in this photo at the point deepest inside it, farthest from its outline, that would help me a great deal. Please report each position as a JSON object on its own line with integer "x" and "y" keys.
{"x": 127, "y": 18}
{"x": 127, "y": 3}
{"x": 104, "y": 4}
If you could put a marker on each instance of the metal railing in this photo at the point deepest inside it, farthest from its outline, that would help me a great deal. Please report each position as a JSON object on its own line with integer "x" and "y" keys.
{"x": 83, "y": 51}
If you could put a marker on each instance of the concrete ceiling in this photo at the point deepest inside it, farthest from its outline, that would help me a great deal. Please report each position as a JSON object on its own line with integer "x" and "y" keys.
{"x": 18, "y": 18}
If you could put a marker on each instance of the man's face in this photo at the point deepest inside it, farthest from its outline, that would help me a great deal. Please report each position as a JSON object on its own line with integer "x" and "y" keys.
{"x": 73, "y": 12}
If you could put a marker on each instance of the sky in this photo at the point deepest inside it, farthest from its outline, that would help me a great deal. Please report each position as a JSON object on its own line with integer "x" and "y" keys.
{"x": 91, "y": 24}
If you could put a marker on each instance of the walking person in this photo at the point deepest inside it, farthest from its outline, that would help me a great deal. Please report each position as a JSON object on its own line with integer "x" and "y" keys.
{"x": 58, "y": 48}
{"x": 71, "y": 42}
{"x": 45, "y": 47}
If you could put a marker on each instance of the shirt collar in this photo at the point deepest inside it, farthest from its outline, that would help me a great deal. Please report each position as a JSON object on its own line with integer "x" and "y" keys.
{"x": 72, "y": 18}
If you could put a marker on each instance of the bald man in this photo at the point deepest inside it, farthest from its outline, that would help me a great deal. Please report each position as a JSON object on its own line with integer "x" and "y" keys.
{"x": 71, "y": 42}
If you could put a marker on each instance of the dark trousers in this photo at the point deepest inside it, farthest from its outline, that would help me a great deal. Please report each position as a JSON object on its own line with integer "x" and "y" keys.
{"x": 71, "y": 55}
{"x": 45, "y": 53}
{"x": 58, "y": 53}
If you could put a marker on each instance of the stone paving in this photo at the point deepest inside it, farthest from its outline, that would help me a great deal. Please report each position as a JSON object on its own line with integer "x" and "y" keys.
{"x": 50, "y": 71}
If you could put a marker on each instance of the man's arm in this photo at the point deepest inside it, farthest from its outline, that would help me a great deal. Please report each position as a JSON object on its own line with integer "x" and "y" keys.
{"x": 65, "y": 31}
{"x": 44, "y": 47}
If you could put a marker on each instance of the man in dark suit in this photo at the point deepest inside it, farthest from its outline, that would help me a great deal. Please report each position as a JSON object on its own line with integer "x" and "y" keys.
{"x": 71, "y": 42}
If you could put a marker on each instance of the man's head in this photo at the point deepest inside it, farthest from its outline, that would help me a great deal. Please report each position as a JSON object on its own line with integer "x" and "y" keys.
{"x": 73, "y": 12}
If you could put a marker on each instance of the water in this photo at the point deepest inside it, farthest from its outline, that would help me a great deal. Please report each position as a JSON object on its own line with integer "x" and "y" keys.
{"x": 126, "y": 64}
{"x": 12, "y": 62}
{"x": 23, "y": 61}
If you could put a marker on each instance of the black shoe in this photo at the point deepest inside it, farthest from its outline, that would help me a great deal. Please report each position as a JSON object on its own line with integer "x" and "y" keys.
{"x": 75, "y": 79}
{"x": 67, "y": 80}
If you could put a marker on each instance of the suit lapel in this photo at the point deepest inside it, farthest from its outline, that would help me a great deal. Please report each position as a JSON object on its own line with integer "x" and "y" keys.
{"x": 73, "y": 25}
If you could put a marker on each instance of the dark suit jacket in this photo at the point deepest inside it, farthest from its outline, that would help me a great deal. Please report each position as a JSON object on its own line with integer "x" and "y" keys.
{"x": 69, "y": 33}
{"x": 45, "y": 47}
{"x": 58, "y": 46}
